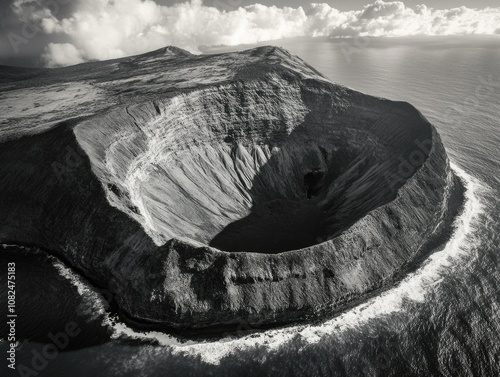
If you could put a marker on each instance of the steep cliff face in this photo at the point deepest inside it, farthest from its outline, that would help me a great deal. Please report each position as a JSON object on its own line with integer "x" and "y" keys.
{"x": 207, "y": 189}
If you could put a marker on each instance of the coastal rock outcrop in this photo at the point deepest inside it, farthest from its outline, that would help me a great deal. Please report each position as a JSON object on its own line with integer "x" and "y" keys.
{"x": 209, "y": 189}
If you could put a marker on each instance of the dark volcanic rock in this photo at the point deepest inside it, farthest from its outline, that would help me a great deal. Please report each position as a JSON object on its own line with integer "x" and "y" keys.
{"x": 206, "y": 189}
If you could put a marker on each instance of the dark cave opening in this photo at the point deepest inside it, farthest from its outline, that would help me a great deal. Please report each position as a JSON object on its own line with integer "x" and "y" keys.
{"x": 313, "y": 182}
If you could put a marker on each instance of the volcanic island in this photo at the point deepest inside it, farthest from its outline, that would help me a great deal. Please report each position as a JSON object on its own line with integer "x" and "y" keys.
{"x": 207, "y": 189}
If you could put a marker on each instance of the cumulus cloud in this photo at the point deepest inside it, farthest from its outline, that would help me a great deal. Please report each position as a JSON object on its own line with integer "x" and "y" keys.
{"x": 62, "y": 54}
{"x": 105, "y": 29}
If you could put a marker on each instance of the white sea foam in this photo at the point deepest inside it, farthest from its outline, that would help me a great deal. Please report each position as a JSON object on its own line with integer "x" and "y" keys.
{"x": 414, "y": 287}
{"x": 92, "y": 298}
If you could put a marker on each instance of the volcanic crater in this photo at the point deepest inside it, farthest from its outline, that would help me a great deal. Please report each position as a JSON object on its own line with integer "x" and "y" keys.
{"x": 215, "y": 188}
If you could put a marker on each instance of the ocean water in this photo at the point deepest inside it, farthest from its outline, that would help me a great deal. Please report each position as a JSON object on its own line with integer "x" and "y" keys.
{"x": 441, "y": 320}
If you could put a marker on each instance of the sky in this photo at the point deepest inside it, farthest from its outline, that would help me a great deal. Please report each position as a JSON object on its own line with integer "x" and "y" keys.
{"x": 56, "y": 33}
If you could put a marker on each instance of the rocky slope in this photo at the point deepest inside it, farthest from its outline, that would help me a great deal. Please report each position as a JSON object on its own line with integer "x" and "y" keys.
{"x": 207, "y": 190}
